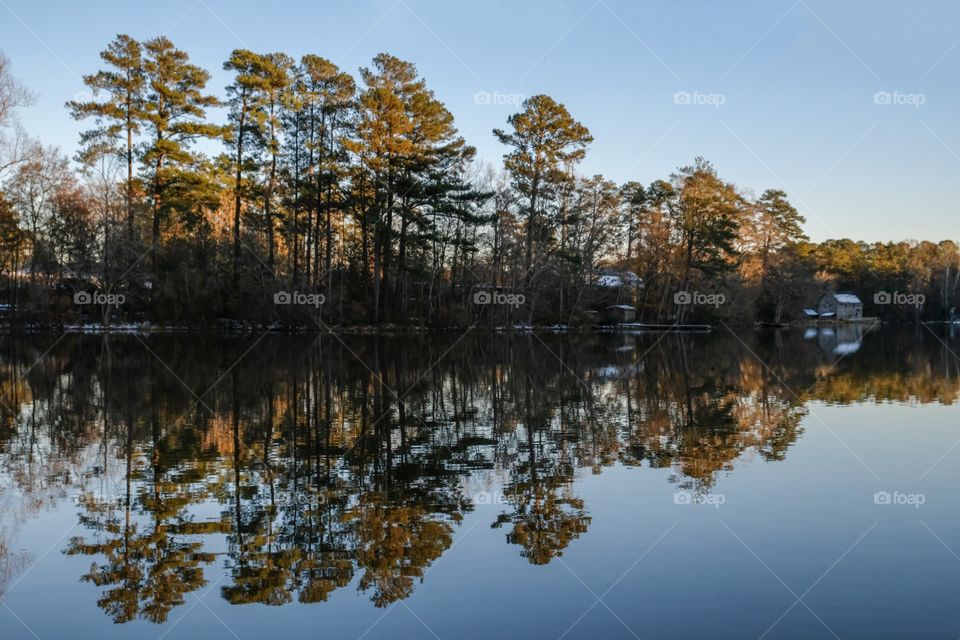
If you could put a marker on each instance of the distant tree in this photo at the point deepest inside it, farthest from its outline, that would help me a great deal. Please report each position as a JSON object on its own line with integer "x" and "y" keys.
{"x": 778, "y": 224}
{"x": 592, "y": 234}
{"x": 634, "y": 199}
{"x": 32, "y": 190}
{"x": 13, "y": 93}
{"x": 789, "y": 283}
{"x": 11, "y": 237}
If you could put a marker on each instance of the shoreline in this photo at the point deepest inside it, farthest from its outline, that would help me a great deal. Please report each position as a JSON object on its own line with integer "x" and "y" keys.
{"x": 227, "y": 329}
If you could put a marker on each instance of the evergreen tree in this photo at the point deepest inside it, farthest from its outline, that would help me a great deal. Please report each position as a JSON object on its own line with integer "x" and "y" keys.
{"x": 546, "y": 142}
{"x": 175, "y": 115}
{"x": 120, "y": 115}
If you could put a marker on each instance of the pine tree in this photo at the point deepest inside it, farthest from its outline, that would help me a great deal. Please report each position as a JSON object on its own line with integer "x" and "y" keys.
{"x": 175, "y": 115}
{"x": 329, "y": 100}
{"x": 120, "y": 115}
{"x": 384, "y": 145}
{"x": 778, "y": 224}
{"x": 545, "y": 143}
{"x": 247, "y": 117}
{"x": 275, "y": 72}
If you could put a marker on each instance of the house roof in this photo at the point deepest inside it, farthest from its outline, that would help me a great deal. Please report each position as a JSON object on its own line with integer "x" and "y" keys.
{"x": 846, "y": 298}
{"x": 624, "y": 279}
{"x": 610, "y": 281}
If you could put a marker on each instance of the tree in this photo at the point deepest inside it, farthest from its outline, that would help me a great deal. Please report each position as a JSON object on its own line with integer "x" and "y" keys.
{"x": 13, "y": 95}
{"x": 120, "y": 115}
{"x": 247, "y": 116}
{"x": 328, "y": 97}
{"x": 275, "y": 81}
{"x": 706, "y": 214}
{"x": 175, "y": 113}
{"x": 592, "y": 233}
{"x": 769, "y": 239}
{"x": 406, "y": 143}
{"x": 433, "y": 185}
{"x": 383, "y": 143}
{"x": 11, "y": 237}
{"x": 634, "y": 199}
{"x": 778, "y": 224}
{"x": 657, "y": 246}
{"x": 546, "y": 143}
{"x": 32, "y": 191}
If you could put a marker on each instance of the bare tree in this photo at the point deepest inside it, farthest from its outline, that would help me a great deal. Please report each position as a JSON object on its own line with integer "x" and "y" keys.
{"x": 14, "y": 144}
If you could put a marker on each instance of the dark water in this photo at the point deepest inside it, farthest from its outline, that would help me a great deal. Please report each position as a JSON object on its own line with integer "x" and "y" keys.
{"x": 769, "y": 485}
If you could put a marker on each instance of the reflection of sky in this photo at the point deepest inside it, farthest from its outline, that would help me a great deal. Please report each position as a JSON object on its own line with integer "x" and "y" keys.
{"x": 798, "y": 516}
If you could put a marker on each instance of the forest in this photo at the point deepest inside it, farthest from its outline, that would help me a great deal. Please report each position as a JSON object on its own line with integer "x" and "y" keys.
{"x": 324, "y": 199}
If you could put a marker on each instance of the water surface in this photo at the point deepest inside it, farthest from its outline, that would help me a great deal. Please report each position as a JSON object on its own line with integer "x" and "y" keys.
{"x": 772, "y": 484}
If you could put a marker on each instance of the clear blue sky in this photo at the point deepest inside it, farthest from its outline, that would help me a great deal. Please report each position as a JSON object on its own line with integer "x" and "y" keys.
{"x": 797, "y": 83}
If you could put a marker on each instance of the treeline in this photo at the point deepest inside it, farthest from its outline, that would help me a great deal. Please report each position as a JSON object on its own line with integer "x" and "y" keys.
{"x": 324, "y": 199}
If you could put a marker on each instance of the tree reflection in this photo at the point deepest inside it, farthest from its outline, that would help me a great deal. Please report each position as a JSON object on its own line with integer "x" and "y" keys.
{"x": 546, "y": 517}
{"x": 151, "y": 555}
{"x": 318, "y": 465}
{"x": 396, "y": 541}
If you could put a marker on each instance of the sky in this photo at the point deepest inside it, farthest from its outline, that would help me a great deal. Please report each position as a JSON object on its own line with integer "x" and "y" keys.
{"x": 850, "y": 107}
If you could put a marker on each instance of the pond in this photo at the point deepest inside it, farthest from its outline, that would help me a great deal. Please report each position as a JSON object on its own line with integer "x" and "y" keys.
{"x": 769, "y": 484}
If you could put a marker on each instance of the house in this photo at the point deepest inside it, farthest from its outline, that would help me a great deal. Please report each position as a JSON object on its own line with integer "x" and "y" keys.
{"x": 614, "y": 292}
{"x": 842, "y": 306}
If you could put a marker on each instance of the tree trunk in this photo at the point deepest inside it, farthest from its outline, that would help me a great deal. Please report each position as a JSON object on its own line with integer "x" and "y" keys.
{"x": 237, "y": 200}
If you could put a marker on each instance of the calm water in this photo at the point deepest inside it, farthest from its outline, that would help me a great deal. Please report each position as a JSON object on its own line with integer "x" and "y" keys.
{"x": 775, "y": 485}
